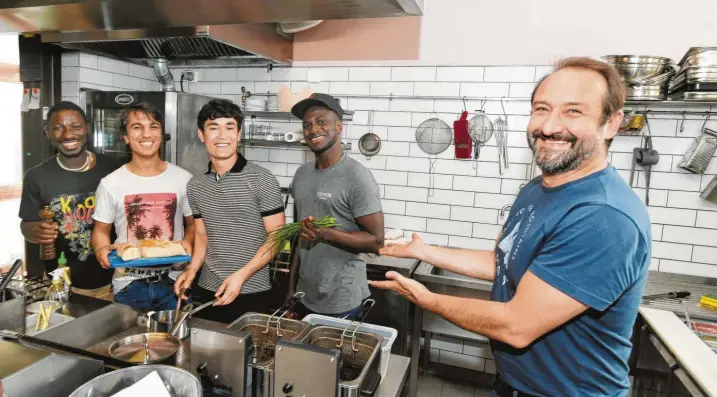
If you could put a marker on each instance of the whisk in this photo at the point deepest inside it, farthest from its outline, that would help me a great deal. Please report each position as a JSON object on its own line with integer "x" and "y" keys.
{"x": 500, "y": 138}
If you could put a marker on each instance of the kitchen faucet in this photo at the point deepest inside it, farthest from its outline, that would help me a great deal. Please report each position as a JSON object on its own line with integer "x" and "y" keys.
{"x": 505, "y": 208}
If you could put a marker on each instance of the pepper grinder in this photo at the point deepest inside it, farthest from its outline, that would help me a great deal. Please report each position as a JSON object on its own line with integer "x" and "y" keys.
{"x": 47, "y": 251}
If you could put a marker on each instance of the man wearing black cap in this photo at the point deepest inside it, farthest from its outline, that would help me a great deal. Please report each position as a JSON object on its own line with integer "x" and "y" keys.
{"x": 329, "y": 268}
{"x": 67, "y": 183}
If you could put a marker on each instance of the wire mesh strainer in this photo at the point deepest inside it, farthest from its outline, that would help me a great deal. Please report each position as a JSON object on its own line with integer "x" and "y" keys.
{"x": 354, "y": 355}
{"x": 265, "y": 342}
{"x": 480, "y": 129}
{"x": 266, "y": 334}
{"x": 433, "y": 136}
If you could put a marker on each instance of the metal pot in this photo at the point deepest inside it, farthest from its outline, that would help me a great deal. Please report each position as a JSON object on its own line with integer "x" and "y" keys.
{"x": 638, "y": 67}
{"x": 148, "y": 348}
{"x": 163, "y": 321}
{"x": 179, "y": 383}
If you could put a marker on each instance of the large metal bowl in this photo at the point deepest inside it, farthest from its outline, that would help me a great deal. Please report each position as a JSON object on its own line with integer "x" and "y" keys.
{"x": 179, "y": 383}
{"x": 637, "y": 67}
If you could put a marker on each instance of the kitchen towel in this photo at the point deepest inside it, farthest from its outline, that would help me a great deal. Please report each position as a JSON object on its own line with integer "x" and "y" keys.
{"x": 293, "y": 136}
{"x": 461, "y": 138}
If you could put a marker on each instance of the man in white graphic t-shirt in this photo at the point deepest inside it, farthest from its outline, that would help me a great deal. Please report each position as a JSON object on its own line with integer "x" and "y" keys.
{"x": 144, "y": 200}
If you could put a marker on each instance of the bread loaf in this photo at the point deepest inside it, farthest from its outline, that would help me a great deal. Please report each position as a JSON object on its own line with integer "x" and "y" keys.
{"x": 161, "y": 251}
{"x": 149, "y": 249}
{"x": 128, "y": 252}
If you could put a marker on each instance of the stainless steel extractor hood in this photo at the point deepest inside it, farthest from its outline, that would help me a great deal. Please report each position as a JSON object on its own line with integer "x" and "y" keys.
{"x": 251, "y": 42}
{"x": 172, "y": 29}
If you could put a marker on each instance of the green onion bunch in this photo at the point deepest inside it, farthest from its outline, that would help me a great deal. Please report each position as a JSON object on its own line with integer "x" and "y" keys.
{"x": 280, "y": 237}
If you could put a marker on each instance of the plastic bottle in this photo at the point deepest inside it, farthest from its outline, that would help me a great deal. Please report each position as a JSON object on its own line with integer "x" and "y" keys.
{"x": 57, "y": 291}
{"x": 62, "y": 264}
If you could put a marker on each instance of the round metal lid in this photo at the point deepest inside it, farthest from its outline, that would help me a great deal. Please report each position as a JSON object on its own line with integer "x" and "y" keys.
{"x": 145, "y": 348}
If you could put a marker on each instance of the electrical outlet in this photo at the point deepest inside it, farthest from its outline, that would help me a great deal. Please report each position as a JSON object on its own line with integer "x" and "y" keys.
{"x": 190, "y": 75}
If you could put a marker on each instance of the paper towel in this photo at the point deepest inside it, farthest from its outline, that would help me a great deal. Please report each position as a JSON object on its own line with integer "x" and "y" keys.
{"x": 150, "y": 385}
{"x": 293, "y": 136}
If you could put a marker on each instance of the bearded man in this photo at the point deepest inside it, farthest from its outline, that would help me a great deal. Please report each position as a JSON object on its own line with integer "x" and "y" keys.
{"x": 571, "y": 261}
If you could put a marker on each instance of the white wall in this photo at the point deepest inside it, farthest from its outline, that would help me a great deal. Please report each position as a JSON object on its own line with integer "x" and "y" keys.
{"x": 530, "y": 32}
{"x": 80, "y": 70}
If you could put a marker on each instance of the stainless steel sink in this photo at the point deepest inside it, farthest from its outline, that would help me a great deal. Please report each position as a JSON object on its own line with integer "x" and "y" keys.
{"x": 449, "y": 283}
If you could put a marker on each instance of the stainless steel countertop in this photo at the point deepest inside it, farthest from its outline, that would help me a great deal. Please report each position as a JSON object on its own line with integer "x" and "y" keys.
{"x": 659, "y": 283}
{"x": 396, "y": 374}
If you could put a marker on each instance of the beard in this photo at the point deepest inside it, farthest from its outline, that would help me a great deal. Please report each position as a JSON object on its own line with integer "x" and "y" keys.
{"x": 554, "y": 162}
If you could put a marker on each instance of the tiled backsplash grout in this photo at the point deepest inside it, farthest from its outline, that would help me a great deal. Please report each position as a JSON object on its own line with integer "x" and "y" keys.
{"x": 684, "y": 226}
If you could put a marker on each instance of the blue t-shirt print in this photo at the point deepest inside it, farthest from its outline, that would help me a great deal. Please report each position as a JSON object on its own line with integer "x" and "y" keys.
{"x": 591, "y": 240}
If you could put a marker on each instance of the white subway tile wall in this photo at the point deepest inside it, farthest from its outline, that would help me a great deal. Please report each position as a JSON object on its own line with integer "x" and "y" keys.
{"x": 80, "y": 70}
{"x": 456, "y": 202}
{"x": 447, "y": 201}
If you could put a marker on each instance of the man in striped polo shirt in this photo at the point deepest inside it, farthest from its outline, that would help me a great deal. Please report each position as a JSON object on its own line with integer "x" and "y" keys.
{"x": 235, "y": 204}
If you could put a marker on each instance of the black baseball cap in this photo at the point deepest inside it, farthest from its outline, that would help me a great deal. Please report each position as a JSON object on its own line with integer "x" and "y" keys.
{"x": 323, "y": 100}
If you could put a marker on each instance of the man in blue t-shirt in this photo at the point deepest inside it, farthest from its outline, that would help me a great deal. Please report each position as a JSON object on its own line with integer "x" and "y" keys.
{"x": 571, "y": 261}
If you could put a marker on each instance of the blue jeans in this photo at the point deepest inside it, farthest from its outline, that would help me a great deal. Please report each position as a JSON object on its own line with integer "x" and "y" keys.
{"x": 302, "y": 311}
{"x": 144, "y": 296}
{"x": 353, "y": 314}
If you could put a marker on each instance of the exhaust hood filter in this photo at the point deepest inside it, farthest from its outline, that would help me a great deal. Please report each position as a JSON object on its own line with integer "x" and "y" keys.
{"x": 170, "y": 47}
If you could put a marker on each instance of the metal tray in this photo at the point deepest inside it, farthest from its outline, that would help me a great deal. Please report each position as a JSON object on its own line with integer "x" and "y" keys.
{"x": 116, "y": 261}
{"x": 693, "y": 96}
{"x": 699, "y": 56}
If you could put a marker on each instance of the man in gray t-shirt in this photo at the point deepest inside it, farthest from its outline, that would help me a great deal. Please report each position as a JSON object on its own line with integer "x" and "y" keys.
{"x": 329, "y": 268}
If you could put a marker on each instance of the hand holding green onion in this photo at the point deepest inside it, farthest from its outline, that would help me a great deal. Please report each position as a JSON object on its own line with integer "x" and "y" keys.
{"x": 309, "y": 229}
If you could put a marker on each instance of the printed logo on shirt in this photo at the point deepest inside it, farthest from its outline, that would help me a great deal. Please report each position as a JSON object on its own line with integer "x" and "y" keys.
{"x": 150, "y": 216}
{"x": 324, "y": 196}
{"x": 74, "y": 216}
{"x": 510, "y": 243}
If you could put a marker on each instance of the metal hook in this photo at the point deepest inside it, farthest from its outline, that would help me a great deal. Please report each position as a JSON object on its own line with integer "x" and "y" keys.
{"x": 682, "y": 125}
{"x": 503, "y": 107}
{"x": 709, "y": 114}
{"x": 482, "y": 104}
{"x": 465, "y": 108}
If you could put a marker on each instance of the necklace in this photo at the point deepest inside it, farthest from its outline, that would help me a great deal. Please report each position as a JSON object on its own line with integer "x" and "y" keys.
{"x": 87, "y": 165}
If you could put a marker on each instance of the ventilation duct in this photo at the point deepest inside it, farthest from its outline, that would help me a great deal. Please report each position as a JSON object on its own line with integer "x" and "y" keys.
{"x": 164, "y": 76}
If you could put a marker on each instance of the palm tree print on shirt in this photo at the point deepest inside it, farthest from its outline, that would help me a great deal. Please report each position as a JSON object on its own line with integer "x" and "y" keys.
{"x": 150, "y": 216}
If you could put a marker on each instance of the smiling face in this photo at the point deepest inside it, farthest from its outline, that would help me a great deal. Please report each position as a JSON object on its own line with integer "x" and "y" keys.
{"x": 567, "y": 128}
{"x": 220, "y": 136}
{"x": 322, "y": 128}
{"x": 143, "y": 134}
{"x": 67, "y": 131}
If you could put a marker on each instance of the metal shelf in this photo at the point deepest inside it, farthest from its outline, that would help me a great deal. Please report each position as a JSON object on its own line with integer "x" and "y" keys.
{"x": 670, "y": 104}
{"x": 346, "y": 146}
{"x": 348, "y": 115}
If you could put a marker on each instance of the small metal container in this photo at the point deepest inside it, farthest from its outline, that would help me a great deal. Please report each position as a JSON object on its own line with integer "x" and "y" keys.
{"x": 163, "y": 321}
{"x": 700, "y": 153}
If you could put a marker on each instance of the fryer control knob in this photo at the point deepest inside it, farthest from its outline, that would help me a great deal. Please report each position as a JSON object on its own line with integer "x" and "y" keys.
{"x": 288, "y": 388}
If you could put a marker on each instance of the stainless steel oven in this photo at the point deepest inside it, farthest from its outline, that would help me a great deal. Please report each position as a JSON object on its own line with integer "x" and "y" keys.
{"x": 181, "y": 145}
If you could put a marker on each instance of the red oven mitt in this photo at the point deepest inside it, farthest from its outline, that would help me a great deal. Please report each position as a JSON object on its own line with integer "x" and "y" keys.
{"x": 461, "y": 138}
